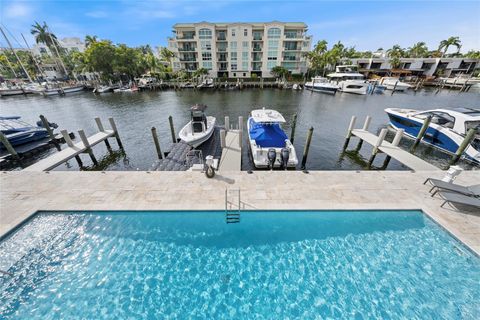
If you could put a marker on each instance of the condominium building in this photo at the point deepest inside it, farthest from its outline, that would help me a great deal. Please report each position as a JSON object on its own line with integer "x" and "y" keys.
{"x": 239, "y": 50}
{"x": 69, "y": 44}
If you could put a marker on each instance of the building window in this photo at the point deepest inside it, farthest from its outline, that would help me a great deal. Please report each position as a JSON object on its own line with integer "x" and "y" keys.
{"x": 205, "y": 34}
{"x": 233, "y": 56}
{"x": 272, "y": 55}
{"x": 206, "y": 45}
{"x": 234, "y": 66}
{"x": 207, "y": 65}
{"x": 245, "y": 65}
{"x": 271, "y": 64}
{"x": 245, "y": 32}
{"x": 233, "y": 45}
{"x": 234, "y": 74}
{"x": 206, "y": 56}
{"x": 233, "y": 32}
{"x": 245, "y": 44}
{"x": 273, "y": 44}
{"x": 274, "y": 33}
{"x": 244, "y": 55}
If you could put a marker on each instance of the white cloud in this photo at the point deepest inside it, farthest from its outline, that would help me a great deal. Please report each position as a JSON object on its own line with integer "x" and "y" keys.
{"x": 17, "y": 10}
{"x": 96, "y": 14}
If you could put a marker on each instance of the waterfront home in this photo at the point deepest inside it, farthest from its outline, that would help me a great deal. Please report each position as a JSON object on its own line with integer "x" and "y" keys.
{"x": 240, "y": 50}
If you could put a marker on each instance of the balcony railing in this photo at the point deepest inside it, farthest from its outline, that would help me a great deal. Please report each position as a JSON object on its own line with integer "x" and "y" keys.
{"x": 187, "y": 49}
{"x": 222, "y": 49}
{"x": 188, "y": 59}
{"x": 257, "y": 49}
{"x": 257, "y": 38}
{"x": 221, "y": 38}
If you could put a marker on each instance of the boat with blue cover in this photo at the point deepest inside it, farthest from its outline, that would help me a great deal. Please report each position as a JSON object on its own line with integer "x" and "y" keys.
{"x": 19, "y": 132}
{"x": 447, "y": 128}
{"x": 269, "y": 145}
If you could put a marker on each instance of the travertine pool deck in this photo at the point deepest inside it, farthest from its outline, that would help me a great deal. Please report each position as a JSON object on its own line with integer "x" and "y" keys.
{"x": 23, "y": 193}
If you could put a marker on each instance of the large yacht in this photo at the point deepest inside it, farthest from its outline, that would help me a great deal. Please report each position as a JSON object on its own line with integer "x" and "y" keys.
{"x": 321, "y": 84}
{"x": 349, "y": 79}
{"x": 447, "y": 128}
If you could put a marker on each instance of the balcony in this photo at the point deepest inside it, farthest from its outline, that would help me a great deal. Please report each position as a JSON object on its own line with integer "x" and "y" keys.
{"x": 257, "y": 57}
{"x": 187, "y": 49}
{"x": 259, "y": 38}
{"x": 257, "y": 49}
{"x": 188, "y": 59}
{"x": 221, "y": 49}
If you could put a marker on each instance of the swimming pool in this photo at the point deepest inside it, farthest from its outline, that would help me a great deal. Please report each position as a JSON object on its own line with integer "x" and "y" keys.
{"x": 271, "y": 265}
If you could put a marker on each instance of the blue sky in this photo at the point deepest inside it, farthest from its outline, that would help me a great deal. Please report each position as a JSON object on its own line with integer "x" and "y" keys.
{"x": 367, "y": 25}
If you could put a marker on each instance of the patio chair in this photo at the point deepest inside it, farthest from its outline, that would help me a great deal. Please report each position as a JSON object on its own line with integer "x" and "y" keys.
{"x": 457, "y": 198}
{"x": 439, "y": 185}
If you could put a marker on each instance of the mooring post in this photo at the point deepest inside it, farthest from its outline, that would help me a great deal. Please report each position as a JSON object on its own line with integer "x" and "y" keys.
{"x": 9, "y": 146}
{"x": 240, "y": 123}
{"x": 115, "y": 131}
{"x": 381, "y": 137}
{"x": 172, "y": 129}
{"x": 307, "y": 147}
{"x": 227, "y": 123}
{"x": 366, "y": 124}
{"x": 294, "y": 124}
{"x": 102, "y": 129}
{"x": 373, "y": 89}
{"x": 395, "y": 142}
{"x": 222, "y": 138}
{"x": 349, "y": 132}
{"x": 421, "y": 133}
{"x": 394, "y": 87}
{"x": 89, "y": 150}
{"x": 240, "y": 131}
{"x": 46, "y": 125}
{"x": 70, "y": 144}
{"x": 465, "y": 143}
{"x": 157, "y": 143}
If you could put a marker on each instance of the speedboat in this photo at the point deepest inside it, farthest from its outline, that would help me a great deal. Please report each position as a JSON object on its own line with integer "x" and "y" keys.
{"x": 269, "y": 145}
{"x": 392, "y": 83}
{"x": 126, "y": 89}
{"x": 73, "y": 88}
{"x": 103, "y": 89}
{"x": 321, "y": 84}
{"x": 19, "y": 132}
{"x": 349, "y": 80}
{"x": 200, "y": 128}
{"x": 447, "y": 127}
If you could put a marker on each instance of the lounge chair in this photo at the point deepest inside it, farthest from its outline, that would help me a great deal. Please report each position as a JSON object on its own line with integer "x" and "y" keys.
{"x": 459, "y": 199}
{"x": 452, "y": 187}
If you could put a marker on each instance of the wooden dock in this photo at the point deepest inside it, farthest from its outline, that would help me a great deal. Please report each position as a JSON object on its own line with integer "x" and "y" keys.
{"x": 390, "y": 149}
{"x": 231, "y": 159}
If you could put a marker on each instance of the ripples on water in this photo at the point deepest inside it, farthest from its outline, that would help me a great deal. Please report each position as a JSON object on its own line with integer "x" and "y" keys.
{"x": 273, "y": 265}
{"x": 136, "y": 113}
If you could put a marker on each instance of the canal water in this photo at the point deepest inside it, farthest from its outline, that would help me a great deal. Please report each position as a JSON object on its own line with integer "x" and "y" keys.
{"x": 136, "y": 113}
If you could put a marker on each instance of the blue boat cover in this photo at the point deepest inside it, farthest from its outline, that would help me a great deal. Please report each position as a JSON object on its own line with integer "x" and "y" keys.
{"x": 267, "y": 135}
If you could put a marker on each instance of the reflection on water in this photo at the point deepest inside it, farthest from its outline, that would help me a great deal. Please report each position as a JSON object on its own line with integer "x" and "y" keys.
{"x": 136, "y": 113}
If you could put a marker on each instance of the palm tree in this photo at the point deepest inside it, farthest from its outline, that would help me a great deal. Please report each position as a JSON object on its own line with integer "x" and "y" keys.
{"x": 43, "y": 35}
{"x": 89, "y": 40}
{"x": 394, "y": 54}
{"x": 451, "y": 41}
{"x": 418, "y": 50}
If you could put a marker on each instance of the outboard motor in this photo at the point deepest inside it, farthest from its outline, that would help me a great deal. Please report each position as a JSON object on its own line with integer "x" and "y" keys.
{"x": 284, "y": 155}
{"x": 271, "y": 156}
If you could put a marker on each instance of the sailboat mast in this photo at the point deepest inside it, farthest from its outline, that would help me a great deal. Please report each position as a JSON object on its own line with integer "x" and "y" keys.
{"x": 56, "y": 50}
{"x": 10, "y": 66}
{"x": 15, "y": 54}
{"x": 33, "y": 57}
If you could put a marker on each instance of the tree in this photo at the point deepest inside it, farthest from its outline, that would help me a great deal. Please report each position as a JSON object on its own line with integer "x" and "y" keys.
{"x": 418, "y": 50}
{"x": 472, "y": 54}
{"x": 167, "y": 55}
{"x": 279, "y": 72}
{"x": 89, "y": 40}
{"x": 200, "y": 72}
{"x": 128, "y": 61}
{"x": 43, "y": 35}
{"x": 99, "y": 57}
{"x": 317, "y": 58}
{"x": 394, "y": 54}
{"x": 451, "y": 41}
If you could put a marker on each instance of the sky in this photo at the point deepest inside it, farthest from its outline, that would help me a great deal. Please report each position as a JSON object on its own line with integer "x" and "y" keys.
{"x": 367, "y": 25}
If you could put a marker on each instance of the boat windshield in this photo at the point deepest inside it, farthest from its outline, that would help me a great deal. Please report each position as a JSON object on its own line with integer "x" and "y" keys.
{"x": 472, "y": 124}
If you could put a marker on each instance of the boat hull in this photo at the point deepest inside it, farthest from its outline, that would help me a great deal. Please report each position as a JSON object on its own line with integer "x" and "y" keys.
{"x": 355, "y": 87}
{"x": 198, "y": 138}
{"x": 11, "y": 92}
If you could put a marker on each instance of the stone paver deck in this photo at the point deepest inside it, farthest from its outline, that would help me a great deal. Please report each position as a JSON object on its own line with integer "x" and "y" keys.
{"x": 23, "y": 193}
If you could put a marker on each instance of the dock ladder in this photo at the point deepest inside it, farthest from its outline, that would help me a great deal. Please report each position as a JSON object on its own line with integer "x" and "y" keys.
{"x": 232, "y": 208}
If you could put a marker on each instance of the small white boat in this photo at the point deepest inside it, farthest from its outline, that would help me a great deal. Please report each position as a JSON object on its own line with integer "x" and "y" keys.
{"x": 461, "y": 79}
{"x": 51, "y": 91}
{"x": 126, "y": 89}
{"x": 321, "y": 84}
{"x": 392, "y": 83}
{"x": 349, "y": 80}
{"x": 103, "y": 89}
{"x": 13, "y": 91}
{"x": 73, "y": 88}
{"x": 199, "y": 129}
{"x": 207, "y": 83}
{"x": 269, "y": 145}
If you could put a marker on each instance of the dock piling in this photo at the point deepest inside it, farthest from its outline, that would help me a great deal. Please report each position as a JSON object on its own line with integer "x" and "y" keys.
{"x": 465, "y": 143}
{"x": 366, "y": 124}
{"x": 294, "y": 124}
{"x": 9, "y": 146}
{"x": 47, "y": 127}
{"x": 398, "y": 137}
{"x": 349, "y": 132}
{"x": 307, "y": 147}
{"x": 227, "y": 123}
{"x": 84, "y": 139}
{"x": 172, "y": 129}
{"x": 421, "y": 133}
{"x": 381, "y": 137}
{"x": 115, "y": 131}
{"x": 240, "y": 130}
{"x": 394, "y": 87}
{"x": 69, "y": 143}
{"x": 222, "y": 138}
{"x": 157, "y": 143}
{"x": 102, "y": 129}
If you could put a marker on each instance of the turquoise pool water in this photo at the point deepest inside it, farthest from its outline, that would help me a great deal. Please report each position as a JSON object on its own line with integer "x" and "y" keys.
{"x": 272, "y": 265}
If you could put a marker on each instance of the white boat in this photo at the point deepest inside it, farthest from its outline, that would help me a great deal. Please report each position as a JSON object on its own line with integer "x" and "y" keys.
{"x": 321, "y": 84}
{"x": 461, "y": 79}
{"x": 349, "y": 80}
{"x": 392, "y": 83}
{"x": 51, "y": 91}
{"x": 73, "y": 88}
{"x": 200, "y": 128}
{"x": 269, "y": 145}
{"x": 206, "y": 83}
{"x": 103, "y": 89}
{"x": 447, "y": 127}
{"x": 12, "y": 91}
{"x": 126, "y": 89}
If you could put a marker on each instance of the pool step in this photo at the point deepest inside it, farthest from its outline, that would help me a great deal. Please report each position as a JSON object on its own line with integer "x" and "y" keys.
{"x": 232, "y": 209}
{"x": 232, "y": 217}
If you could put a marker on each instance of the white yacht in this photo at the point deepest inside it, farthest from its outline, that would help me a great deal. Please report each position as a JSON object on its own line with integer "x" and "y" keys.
{"x": 200, "y": 128}
{"x": 447, "y": 128}
{"x": 269, "y": 145}
{"x": 461, "y": 79}
{"x": 349, "y": 79}
{"x": 321, "y": 84}
{"x": 392, "y": 83}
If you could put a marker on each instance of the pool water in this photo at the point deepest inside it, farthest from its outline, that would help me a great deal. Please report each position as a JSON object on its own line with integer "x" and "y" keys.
{"x": 271, "y": 265}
